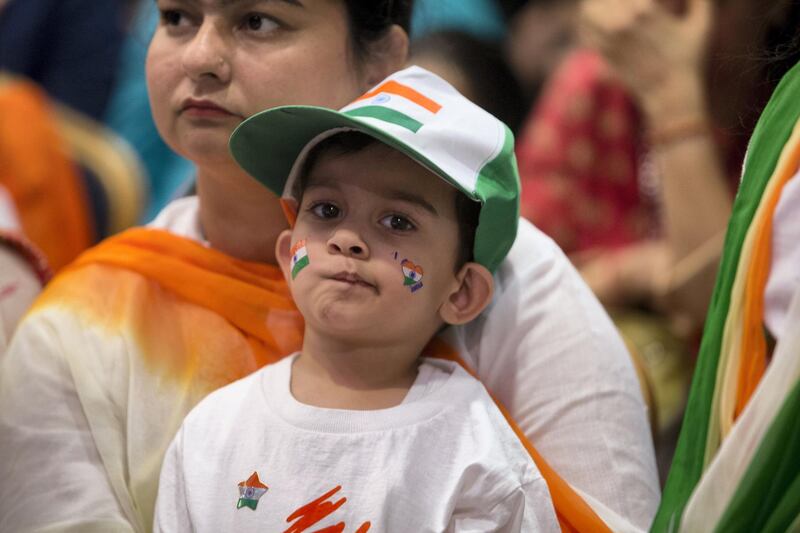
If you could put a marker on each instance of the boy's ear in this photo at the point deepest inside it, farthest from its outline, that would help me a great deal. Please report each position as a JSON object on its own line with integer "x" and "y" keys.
{"x": 283, "y": 253}
{"x": 473, "y": 291}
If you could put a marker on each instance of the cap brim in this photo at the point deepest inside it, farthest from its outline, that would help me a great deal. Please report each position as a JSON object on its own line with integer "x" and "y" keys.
{"x": 268, "y": 144}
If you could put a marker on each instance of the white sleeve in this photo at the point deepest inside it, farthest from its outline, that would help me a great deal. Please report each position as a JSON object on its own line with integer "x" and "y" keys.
{"x": 550, "y": 354}
{"x": 18, "y": 288}
{"x": 528, "y": 509}
{"x": 51, "y": 475}
{"x": 172, "y": 511}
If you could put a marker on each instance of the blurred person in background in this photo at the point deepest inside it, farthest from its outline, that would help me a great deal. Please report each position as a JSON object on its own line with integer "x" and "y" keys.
{"x": 70, "y": 180}
{"x": 477, "y": 68}
{"x": 681, "y": 83}
{"x": 480, "y": 18}
{"x": 68, "y": 47}
{"x": 633, "y": 155}
{"x": 540, "y": 34}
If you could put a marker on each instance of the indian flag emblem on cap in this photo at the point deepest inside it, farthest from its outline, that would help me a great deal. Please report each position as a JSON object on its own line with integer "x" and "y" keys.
{"x": 299, "y": 257}
{"x": 250, "y": 492}
{"x": 396, "y": 103}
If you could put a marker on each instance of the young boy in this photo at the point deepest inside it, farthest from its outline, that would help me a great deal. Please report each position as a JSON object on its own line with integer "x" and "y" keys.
{"x": 401, "y": 205}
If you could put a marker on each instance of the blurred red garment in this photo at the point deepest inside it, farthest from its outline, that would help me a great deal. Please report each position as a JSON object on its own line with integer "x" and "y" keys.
{"x": 587, "y": 178}
{"x": 579, "y": 158}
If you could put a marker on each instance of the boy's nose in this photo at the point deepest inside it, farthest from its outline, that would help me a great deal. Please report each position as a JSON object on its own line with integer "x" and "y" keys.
{"x": 347, "y": 242}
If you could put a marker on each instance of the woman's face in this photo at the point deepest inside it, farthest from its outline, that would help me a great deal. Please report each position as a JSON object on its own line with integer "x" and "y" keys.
{"x": 212, "y": 63}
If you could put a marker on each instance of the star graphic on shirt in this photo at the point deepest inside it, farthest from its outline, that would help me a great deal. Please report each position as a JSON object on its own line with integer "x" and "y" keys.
{"x": 250, "y": 491}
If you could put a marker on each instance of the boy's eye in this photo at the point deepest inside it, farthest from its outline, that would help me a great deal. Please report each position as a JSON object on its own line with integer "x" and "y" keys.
{"x": 397, "y": 223}
{"x": 325, "y": 210}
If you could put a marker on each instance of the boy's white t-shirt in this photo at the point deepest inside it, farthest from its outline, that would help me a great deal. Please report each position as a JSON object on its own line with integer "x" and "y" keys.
{"x": 443, "y": 460}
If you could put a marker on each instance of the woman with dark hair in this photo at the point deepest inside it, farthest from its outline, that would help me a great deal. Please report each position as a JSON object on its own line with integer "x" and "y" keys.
{"x": 130, "y": 337}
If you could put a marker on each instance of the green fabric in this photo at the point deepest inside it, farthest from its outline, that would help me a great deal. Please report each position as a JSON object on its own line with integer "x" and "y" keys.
{"x": 498, "y": 184}
{"x": 386, "y": 115}
{"x": 771, "y": 134}
{"x": 769, "y": 493}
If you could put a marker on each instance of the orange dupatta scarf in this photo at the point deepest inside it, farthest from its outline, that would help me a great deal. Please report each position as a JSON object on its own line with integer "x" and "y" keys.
{"x": 244, "y": 293}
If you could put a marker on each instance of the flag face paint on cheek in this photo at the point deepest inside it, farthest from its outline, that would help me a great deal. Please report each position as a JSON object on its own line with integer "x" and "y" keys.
{"x": 299, "y": 257}
{"x": 412, "y": 275}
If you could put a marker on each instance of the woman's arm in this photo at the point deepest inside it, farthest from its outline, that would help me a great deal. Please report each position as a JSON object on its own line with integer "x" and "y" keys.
{"x": 659, "y": 56}
{"x": 51, "y": 474}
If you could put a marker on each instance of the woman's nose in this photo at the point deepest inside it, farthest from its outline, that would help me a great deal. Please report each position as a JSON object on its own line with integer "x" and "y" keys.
{"x": 206, "y": 55}
{"x": 348, "y": 243}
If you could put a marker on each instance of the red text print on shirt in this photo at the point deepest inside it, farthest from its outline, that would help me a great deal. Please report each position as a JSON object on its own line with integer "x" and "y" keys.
{"x": 312, "y": 513}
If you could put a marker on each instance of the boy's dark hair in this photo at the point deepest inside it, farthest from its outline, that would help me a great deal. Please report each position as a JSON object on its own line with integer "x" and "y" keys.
{"x": 350, "y": 142}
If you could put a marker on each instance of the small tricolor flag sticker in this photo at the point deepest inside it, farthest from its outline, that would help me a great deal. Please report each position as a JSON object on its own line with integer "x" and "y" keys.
{"x": 412, "y": 274}
{"x": 250, "y": 492}
{"x": 299, "y": 257}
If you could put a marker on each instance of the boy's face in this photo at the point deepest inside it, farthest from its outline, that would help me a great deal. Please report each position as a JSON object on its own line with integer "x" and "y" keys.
{"x": 381, "y": 238}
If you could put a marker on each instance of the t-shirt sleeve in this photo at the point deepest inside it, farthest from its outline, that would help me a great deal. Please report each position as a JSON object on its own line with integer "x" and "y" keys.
{"x": 52, "y": 475}
{"x": 172, "y": 511}
{"x": 528, "y": 509}
{"x": 548, "y": 351}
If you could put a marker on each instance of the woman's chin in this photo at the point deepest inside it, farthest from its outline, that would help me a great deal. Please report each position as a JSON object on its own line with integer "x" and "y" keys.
{"x": 205, "y": 147}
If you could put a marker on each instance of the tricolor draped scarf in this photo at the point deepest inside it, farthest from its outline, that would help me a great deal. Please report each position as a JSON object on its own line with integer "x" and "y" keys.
{"x": 737, "y": 465}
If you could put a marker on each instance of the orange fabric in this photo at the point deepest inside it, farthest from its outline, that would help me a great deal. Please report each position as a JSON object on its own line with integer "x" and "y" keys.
{"x": 47, "y": 190}
{"x": 572, "y": 512}
{"x": 753, "y": 342}
{"x": 405, "y": 91}
{"x": 243, "y": 293}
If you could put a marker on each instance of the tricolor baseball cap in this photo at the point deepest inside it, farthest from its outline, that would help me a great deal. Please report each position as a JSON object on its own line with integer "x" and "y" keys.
{"x": 418, "y": 114}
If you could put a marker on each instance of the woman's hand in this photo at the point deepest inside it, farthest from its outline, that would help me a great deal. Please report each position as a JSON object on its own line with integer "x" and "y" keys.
{"x": 657, "y": 53}
{"x": 626, "y": 276}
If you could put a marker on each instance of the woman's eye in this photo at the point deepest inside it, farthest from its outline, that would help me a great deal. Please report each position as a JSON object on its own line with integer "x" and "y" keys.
{"x": 172, "y": 17}
{"x": 325, "y": 210}
{"x": 397, "y": 223}
{"x": 259, "y": 23}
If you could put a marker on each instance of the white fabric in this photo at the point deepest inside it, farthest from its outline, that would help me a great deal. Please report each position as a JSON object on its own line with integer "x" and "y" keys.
{"x": 548, "y": 351}
{"x": 9, "y": 219}
{"x": 18, "y": 282}
{"x": 784, "y": 275}
{"x": 446, "y": 461}
{"x": 480, "y": 135}
{"x": 18, "y": 288}
{"x": 718, "y": 483}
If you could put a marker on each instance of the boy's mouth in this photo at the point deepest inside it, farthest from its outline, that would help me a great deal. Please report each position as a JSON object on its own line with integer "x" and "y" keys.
{"x": 353, "y": 279}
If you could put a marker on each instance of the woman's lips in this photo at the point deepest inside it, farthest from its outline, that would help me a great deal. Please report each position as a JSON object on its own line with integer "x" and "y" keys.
{"x": 205, "y": 109}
